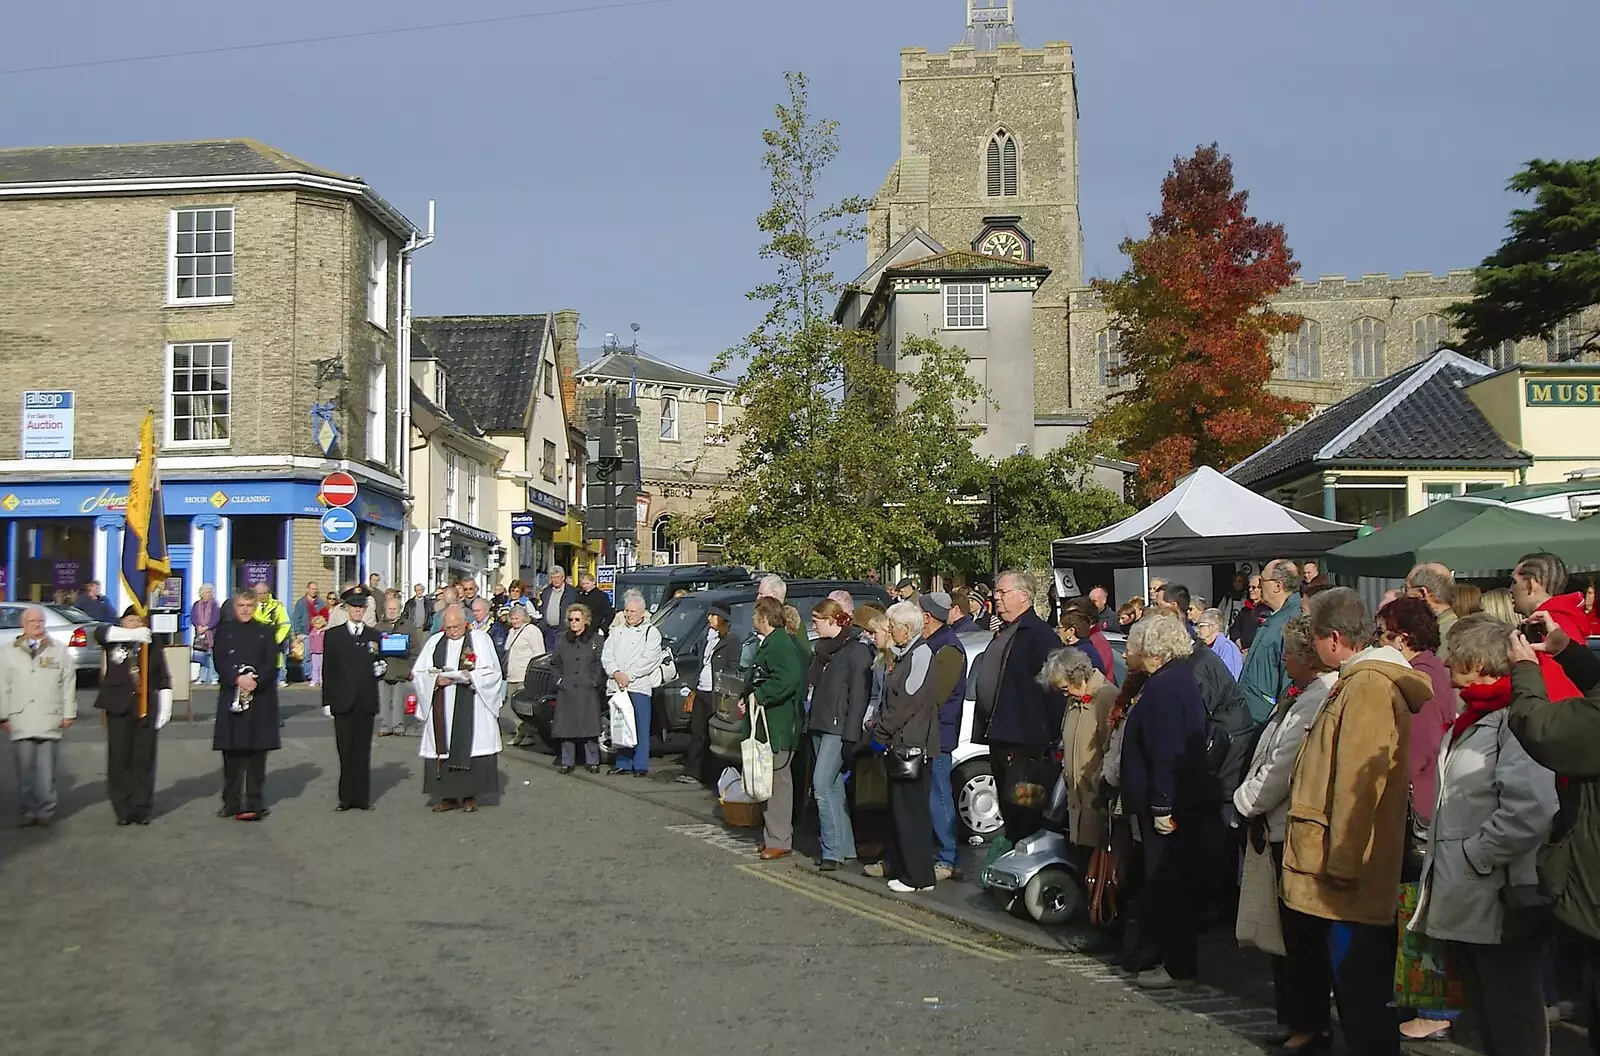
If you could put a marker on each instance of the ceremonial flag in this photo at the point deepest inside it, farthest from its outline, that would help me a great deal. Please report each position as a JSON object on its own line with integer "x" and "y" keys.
{"x": 144, "y": 533}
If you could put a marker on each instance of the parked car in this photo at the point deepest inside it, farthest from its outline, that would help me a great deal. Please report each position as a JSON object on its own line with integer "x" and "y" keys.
{"x": 682, "y": 623}
{"x": 61, "y": 622}
{"x": 658, "y": 583}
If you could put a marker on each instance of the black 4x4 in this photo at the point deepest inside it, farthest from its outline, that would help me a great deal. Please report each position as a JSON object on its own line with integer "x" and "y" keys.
{"x": 658, "y": 583}
{"x": 682, "y": 623}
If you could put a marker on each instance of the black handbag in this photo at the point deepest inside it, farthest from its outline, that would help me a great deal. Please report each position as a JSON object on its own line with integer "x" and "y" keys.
{"x": 905, "y": 764}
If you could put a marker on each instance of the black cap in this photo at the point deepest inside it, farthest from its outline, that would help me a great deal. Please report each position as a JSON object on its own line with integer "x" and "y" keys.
{"x": 131, "y": 610}
{"x": 357, "y": 597}
{"x": 717, "y": 608}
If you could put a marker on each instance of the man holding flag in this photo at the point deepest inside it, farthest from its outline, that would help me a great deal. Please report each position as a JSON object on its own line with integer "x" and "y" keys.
{"x": 135, "y": 667}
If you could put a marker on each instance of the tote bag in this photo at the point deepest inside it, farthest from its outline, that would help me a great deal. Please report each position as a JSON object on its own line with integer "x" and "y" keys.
{"x": 1259, "y": 924}
{"x": 756, "y": 753}
{"x": 624, "y": 734}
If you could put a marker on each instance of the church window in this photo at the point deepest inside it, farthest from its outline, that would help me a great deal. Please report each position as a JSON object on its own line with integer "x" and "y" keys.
{"x": 1302, "y": 354}
{"x": 1112, "y": 363}
{"x": 1563, "y": 343}
{"x": 1502, "y": 355}
{"x": 965, "y": 305}
{"x": 1428, "y": 335}
{"x": 1366, "y": 347}
{"x": 1002, "y": 166}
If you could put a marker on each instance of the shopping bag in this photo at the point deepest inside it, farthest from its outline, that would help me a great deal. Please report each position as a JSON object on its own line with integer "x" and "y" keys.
{"x": 1258, "y": 923}
{"x": 624, "y": 734}
{"x": 756, "y": 754}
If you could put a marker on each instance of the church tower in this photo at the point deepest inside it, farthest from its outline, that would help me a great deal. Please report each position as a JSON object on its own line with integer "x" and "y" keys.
{"x": 989, "y": 161}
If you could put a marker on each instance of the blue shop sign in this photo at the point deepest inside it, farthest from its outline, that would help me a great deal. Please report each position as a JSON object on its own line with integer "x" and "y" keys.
{"x": 187, "y": 498}
{"x": 545, "y": 500}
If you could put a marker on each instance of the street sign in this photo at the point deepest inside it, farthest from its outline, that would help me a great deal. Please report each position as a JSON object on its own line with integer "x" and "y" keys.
{"x": 340, "y": 549}
{"x": 521, "y": 525}
{"x": 338, "y": 525}
{"x": 339, "y": 489}
{"x": 605, "y": 578}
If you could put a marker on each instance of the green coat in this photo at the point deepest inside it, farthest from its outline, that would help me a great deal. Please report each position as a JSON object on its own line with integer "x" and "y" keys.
{"x": 783, "y": 692}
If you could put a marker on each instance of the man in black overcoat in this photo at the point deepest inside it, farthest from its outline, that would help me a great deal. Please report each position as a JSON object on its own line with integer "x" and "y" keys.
{"x": 351, "y": 666}
{"x": 245, "y": 652}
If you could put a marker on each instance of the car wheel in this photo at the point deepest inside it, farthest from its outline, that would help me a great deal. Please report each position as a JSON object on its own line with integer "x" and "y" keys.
{"x": 1052, "y": 896}
{"x": 977, "y": 798}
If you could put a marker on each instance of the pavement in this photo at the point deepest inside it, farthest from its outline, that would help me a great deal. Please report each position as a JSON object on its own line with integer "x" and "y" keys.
{"x": 583, "y": 914}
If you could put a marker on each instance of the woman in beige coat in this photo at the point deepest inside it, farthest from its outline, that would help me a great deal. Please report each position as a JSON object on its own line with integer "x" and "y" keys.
{"x": 1084, "y": 730}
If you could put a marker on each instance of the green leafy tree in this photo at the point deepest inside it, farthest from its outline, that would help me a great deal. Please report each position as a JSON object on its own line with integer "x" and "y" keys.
{"x": 1195, "y": 320}
{"x": 844, "y": 463}
{"x": 1548, "y": 268}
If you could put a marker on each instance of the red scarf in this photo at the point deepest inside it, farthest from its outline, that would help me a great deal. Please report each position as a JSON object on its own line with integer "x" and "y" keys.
{"x": 1481, "y": 699}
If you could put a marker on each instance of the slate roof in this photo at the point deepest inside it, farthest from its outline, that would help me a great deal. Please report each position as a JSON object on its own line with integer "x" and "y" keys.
{"x": 966, "y": 262}
{"x": 491, "y": 363}
{"x": 625, "y": 366}
{"x": 219, "y": 157}
{"x": 1420, "y": 416}
{"x": 453, "y": 411}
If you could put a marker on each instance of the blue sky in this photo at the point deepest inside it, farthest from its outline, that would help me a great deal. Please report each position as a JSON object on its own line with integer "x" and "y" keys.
{"x": 609, "y": 161}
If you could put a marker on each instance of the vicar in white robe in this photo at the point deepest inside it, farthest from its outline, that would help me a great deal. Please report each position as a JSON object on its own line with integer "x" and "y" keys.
{"x": 460, "y": 690}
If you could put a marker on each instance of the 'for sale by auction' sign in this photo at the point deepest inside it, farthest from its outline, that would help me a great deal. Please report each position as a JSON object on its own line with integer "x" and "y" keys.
{"x": 46, "y": 424}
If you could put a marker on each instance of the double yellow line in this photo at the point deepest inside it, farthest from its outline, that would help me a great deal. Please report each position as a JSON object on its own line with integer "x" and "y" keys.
{"x": 828, "y": 893}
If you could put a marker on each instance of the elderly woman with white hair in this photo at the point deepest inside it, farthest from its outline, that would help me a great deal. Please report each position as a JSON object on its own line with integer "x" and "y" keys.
{"x": 632, "y": 657}
{"x": 1084, "y": 732}
{"x": 1164, "y": 786}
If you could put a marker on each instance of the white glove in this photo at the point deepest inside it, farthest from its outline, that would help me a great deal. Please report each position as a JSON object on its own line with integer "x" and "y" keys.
{"x": 379, "y": 668}
{"x": 128, "y": 634}
{"x": 163, "y": 707}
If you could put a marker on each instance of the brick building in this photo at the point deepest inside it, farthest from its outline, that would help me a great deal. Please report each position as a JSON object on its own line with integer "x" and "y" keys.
{"x": 231, "y": 287}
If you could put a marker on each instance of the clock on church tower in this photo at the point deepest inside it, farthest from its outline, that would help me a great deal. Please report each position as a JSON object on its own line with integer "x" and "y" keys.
{"x": 1002, "y": 237}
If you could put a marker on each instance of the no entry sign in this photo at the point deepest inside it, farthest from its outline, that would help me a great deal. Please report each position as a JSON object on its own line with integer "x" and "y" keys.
{"x": 339, "y": 489}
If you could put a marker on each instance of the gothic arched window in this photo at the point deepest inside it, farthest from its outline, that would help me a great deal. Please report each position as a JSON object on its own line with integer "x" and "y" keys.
{"x": 1002, "y": 165}
{"x": 1366, "y": 347}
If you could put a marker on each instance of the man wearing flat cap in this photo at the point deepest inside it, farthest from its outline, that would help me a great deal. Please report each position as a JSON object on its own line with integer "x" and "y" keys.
{"x": 352, "y": 663}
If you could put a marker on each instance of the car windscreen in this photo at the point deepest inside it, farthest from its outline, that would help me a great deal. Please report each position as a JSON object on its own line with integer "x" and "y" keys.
{"x": 71, "y": 614}
{"x": 682, "y": 621}
{"x": 653, "y": 591}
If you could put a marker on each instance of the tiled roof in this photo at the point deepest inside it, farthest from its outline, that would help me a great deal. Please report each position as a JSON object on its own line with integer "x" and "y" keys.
{"x": 454, "y": 410}
{"x": 491, "y": 362}
{"x": 965, "y": 262}
{"x": 1420, "y": 415}
{"x": 625, "y": 366}
{"x": 219, "y": 157}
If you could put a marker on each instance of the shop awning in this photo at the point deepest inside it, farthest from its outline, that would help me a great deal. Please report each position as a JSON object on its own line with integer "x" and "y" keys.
{"x": 1474, "y": 539}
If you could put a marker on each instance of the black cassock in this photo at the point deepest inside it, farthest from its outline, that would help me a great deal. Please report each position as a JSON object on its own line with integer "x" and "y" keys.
{"x": 130, "y": 737}
{"x": 244, "y": 735}
{"x": 350, "y": 691}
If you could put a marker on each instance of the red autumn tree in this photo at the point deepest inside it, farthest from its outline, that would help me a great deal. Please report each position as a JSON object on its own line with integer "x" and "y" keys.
{"x": 1195, "y": 328}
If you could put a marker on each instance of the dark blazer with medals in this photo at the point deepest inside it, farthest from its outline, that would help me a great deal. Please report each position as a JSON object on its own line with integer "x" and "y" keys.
{"x": 349, "y": 685}
{"x": 119, "y": 689}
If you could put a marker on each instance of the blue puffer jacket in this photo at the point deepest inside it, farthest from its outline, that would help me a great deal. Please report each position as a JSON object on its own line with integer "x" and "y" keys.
{"x": 950, "y": 710}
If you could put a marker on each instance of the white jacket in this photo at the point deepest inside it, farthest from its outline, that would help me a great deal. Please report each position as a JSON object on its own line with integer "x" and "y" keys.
{"x": 37, "y": 690}
{"x": 523, "y": 645}
{"x": 637, "y": 653}
{"x": 1265, "y": 789}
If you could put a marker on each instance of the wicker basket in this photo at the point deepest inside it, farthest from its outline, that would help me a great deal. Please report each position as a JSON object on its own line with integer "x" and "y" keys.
{"x": 740, "y": 815}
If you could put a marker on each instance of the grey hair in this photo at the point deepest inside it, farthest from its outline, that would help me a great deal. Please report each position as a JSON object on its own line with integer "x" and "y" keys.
{"x": 1283, "y": 571}
{"x": 1021, "y": 580}
{"x": 247, "y": 592}
{"x": 1210, "y": 618}
{"x": 1066, "y": 667}
{"x": 907, "y": 614}
{"x": 208, "y": 586}
{"x": 517, "y": 610}
{"x": 774, "y": 587}
{"x": 633, "y": 595}
{"x": 1435, "y": 580}
{"x": 557, "y": 570}
{"x": 1297, "y": 640}
{"x": 1548, "y": 569}
{"x": 1341, "y": 611}
{"x": 1165, "y": 638}
{"x": 456, "y": 607}
{"x": 1481, "y": 643}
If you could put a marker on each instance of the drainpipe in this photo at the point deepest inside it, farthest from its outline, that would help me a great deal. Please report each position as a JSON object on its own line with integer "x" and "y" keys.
{"x": 403, "y": 382}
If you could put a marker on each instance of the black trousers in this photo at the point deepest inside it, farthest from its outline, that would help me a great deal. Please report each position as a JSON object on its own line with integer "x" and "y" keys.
{"x": 1503, "y": 988}
{"x": 910, "y": 858}
{"x": 352, "y": 735}
{"x": 131, "y": 765}
{"x": 243, "y": 775}
{"x": 1171, "y": 906}
{"x": 1589, "y": 959}
{"x": 1015, "y": 764}
{"x": 697, "y": 758}
{"x": 1362, "y": 959}
{"x": 1303, "y": 977}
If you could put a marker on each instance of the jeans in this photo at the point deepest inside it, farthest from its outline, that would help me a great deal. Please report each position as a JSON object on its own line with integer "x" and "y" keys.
{"x": 639, "y": 761}
{"x": 36, "y": 775}
{"x": 208, "y": 671}
{"x": 838, "y": 839}
{"x": 942, "y": 802}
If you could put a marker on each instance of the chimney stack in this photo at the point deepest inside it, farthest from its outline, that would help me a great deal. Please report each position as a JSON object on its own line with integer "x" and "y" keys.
{"x": 566, "y": 322}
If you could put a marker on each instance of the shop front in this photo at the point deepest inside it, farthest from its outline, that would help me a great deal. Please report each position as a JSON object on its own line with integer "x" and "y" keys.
{"x": 543, "y": 546}
{"x": 463, "y": 551}
{"x": 230, "y": 534}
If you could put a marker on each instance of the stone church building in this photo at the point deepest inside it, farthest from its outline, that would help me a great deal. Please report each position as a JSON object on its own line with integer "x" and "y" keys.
{"x": 975, "y": 237}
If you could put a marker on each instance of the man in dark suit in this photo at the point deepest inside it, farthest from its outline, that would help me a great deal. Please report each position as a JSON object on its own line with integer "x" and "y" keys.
{"x": 351, "y": 666}
{"x": 552, "y": 606}
{"x": 131, "y": 724}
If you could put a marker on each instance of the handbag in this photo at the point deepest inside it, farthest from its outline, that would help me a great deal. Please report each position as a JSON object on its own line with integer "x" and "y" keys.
{"x": 624, "y": 733}
{"x": 1102, "y": 884}
{"x": 756, "y": 756}
{"x": 1259, "y": 924}
{"x": 669, "y": 667}
{"x": 905, "y": 763}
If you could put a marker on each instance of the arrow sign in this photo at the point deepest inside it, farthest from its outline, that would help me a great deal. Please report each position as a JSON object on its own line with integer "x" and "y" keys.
{"x": 339, "y": 489}
{"x": 338, "y": 525}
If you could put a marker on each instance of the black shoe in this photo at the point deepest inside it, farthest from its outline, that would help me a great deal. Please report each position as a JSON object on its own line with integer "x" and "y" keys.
{"x": 124, "y": 821}
{"x": 226, "y": 812}
{"x": 345, "y": 806}
{"x": 640, "y": 773}
{"x": 593, "y": 768}
{"x": 565, "y": 769}
{"x": 828, "y": 865}
{"x": 263, "y": 812}
{"x": 143, "y": 819}
{"x": 617, "y": 770}
{"x": 364, "y": 806}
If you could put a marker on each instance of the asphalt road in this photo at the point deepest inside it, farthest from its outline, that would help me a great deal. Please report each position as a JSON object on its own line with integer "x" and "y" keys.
{"x": 579, "y": 914}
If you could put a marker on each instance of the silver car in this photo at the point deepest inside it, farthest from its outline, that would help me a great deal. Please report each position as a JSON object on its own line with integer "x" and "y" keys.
{"x": 72, "y": 627}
